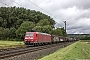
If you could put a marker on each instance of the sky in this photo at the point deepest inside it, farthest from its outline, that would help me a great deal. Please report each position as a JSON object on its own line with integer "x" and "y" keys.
{"x": 76, "y": 13}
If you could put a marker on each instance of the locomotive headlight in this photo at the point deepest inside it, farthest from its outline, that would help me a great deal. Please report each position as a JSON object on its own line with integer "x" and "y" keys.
{"x": 26, "y": 38}
{"x": 31, "y": 38}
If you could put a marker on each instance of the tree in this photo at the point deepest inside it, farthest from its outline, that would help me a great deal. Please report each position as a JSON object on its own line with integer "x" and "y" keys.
{"x": 47, "y": 29}
{"x": 59, "y": 32}
{"x": 6, "y": 33}
{"x": 1, "y": 32}
{"x": 37, "y": 28}
{"x": 43, "y": 26}
{"x": 44, "y": 29}
{"x": 43, "y": 22}
{"x": 12, "y": 33}
{"x": 25, "y": 27}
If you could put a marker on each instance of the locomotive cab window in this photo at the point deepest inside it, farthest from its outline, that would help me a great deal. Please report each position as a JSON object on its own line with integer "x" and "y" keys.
{"x": 30, "y": 34}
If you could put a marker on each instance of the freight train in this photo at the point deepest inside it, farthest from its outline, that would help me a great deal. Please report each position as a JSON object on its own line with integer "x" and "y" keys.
{"x": 38, "y": 38}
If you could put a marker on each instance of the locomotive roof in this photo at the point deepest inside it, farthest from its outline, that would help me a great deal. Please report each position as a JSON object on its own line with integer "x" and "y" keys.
{"x": 43, "y": 33}
{"x": 39, "y": 33}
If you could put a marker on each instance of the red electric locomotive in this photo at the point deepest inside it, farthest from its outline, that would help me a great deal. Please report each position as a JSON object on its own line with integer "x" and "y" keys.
{"x": 36, "y": 38}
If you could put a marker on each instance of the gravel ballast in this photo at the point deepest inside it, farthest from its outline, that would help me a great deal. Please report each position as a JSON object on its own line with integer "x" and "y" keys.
{"x": 34, "y": 55}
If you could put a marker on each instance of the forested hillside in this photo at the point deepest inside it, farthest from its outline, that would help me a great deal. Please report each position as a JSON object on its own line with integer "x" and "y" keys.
{"x": 15, "y": 21}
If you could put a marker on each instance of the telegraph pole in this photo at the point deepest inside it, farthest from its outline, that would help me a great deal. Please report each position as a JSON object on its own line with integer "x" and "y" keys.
{"x": 65, "y": 25}
{"x": 65, "y": 28}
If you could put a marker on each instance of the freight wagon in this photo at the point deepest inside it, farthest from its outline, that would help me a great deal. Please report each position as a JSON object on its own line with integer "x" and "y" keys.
{"x": 37, "y": 38}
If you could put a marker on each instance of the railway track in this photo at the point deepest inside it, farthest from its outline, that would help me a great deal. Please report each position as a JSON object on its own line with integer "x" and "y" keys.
{"x": 9, "y": 49}
{"x": 11, "y": 53}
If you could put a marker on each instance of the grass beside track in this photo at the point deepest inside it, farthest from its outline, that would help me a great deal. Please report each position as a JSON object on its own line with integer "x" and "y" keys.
{"x": 10, "y": 44}
{"x": 77, "y": 51}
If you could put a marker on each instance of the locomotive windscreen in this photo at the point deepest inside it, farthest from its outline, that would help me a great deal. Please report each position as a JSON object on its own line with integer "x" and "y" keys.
{"x": 29, "y": 34}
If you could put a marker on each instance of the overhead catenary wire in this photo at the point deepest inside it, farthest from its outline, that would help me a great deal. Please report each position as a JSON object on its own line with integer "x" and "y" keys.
{"x": 39, "y": 7}
{"x": 42, "y": 9}
{"x": 4, "y": 3}
{"x": 17, "y": 3}
{"x": 32, "y": 3}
